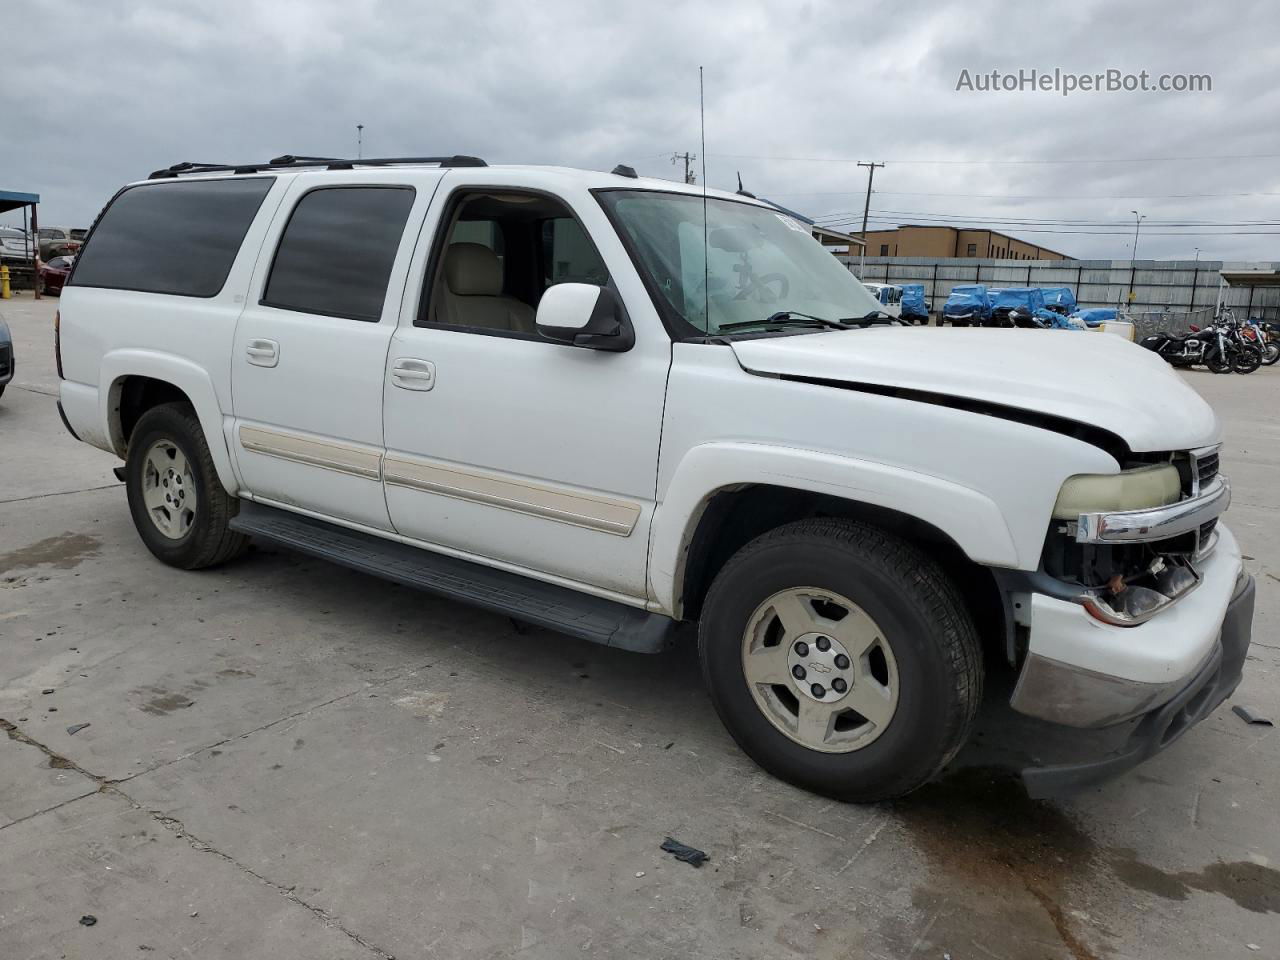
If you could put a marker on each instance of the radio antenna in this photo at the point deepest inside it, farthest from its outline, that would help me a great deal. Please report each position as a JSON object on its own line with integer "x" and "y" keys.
{"x": 706, "y": 247}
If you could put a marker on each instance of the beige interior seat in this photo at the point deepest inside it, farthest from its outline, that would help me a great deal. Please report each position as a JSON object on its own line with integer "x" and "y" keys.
{"x": 472, "y": 292}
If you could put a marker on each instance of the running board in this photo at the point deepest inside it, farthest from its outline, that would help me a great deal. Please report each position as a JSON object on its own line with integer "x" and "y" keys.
{"x": 530, "y": 601}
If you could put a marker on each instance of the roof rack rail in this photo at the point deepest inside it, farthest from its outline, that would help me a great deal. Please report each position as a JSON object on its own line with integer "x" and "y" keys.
{"x": 291, "y": 162}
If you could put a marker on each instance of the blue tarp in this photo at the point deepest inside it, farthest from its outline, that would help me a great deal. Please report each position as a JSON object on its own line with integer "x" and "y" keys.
{"x": 968, "y": 299}
{"x": 1096, "y": 316}
{"x": 913, "y": 301}
{"x": 1010, "y": 297}
{"x": 1059, "y": 297}
{"x": 1030, "y": 299}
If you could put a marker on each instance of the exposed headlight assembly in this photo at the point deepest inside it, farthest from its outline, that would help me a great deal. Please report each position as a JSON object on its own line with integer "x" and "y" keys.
{"x": 1136, "y": 489}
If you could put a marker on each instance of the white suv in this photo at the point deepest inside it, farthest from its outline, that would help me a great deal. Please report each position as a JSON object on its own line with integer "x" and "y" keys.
{"x": 607, "y": 405}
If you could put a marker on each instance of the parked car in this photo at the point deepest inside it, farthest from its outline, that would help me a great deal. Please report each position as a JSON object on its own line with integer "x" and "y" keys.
{"x": 888, "y": 295}
{"x": 354, "y": 373}
{"x": 54, "y": 274}
{"x": 6, "y": 356}
{"x": 15, "y": 245}
{"x": 1060, "y": 300}
{"x": 915, "y": 309}
{"x": 1020, "y": 307}
{"x": 59, "y": 241}
{"x": 967, "y": 305}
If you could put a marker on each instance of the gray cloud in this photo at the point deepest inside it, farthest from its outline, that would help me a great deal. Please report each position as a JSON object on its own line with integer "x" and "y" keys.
{"x": 111, "y": 90}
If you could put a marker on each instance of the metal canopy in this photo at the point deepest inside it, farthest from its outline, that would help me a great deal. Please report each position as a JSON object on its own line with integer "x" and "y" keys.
{"x": 12, "y": 200}
{"x": 1251, "y": 278}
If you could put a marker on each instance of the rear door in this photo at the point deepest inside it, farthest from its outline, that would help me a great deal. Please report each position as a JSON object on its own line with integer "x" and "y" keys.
{"x": 311, "y": 344}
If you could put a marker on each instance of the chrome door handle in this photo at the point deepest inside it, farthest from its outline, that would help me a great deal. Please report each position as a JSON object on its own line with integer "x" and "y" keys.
{"x": 412, "y": 374}
{"x": 263, "y": 353}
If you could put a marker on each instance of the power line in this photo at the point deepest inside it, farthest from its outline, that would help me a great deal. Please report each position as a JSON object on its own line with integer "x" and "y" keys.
{"x": 1031, "y": 196}
{"x": 1006, "y": 160}
{"x": 926, "y": 216}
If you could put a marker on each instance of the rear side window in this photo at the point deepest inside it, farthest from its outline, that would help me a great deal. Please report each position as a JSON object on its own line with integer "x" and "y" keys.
{"x": 336, "y": 253}
{"x": 178, "y": 237}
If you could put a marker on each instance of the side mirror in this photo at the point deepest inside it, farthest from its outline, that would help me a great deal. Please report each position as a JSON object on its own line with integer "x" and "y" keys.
{"x": 585, "y": 315}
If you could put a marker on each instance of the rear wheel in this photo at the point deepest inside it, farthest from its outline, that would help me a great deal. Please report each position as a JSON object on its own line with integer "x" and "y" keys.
{"x": 1271, "y": 353}
{"x": 178, "y": 505}
{"x": 841, "y": 659}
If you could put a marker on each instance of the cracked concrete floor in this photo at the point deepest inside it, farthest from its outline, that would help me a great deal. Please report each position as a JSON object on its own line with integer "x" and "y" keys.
{"x": 288, "y": 760}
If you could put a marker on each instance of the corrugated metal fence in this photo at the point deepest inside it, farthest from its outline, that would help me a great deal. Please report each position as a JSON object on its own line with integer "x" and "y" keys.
{"x": 1161, "y": 288}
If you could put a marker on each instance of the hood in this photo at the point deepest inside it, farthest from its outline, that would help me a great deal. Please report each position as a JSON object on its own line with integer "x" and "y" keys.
{"x": 1092, "y": 378}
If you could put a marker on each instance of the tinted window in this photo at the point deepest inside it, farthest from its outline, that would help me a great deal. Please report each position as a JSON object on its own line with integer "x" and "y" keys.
{"x": 178, "y": 237}
{"x": 336, "y": 253}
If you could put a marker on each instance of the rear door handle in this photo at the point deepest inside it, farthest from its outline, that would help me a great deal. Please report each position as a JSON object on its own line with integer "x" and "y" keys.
{"x": 263, "y": 353}
{"x": 409, "y": 373}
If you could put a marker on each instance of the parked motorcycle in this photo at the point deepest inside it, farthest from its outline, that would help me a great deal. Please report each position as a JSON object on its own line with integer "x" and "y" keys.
{"x": 1269, "y": 338}
{"x": 1206, "y": 347}
{"x": 1215, "y": 347}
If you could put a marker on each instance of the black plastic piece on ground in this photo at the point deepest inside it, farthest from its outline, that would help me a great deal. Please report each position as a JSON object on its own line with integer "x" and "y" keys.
{"x": 529, "y": 601}
{"x": 690, "y": 855}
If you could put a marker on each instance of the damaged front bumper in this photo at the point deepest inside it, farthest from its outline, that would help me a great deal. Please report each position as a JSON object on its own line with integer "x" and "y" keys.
{"x": 1157, "y": 728}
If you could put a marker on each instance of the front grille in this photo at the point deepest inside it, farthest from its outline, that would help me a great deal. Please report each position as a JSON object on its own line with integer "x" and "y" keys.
{"x": 6, "y": 359}
{"x": 1206, "y": 467}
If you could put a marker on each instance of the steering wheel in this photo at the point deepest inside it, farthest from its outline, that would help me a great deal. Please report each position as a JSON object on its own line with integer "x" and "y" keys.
{"x": 759, "y": 289}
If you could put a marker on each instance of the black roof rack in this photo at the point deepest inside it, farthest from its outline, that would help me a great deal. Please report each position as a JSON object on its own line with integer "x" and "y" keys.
{"x": 291, "y": 162}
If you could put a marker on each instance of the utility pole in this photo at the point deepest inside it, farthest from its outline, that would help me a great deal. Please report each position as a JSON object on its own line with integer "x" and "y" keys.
{"x": 359, "y": 141}
{"x": 688, "y": 158}
{"x": 1133, "y": 269}
{"x": 866, "y": 209}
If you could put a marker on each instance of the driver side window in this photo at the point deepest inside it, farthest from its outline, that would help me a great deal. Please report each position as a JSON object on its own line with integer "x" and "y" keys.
{"x": 501, "y": 251}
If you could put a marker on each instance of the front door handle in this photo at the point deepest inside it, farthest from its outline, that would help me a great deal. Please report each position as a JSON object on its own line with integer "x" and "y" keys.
{"x": 263, "y": 353}
{"x": 412, "y": 374}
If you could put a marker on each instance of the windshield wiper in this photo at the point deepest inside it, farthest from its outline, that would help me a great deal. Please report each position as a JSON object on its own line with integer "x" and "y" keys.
{"x": 875, "y": 316}
{"x": 785, "y": 318}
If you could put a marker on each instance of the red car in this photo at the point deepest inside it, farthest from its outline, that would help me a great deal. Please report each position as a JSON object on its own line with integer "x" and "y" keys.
{"x": 54, "y": 274}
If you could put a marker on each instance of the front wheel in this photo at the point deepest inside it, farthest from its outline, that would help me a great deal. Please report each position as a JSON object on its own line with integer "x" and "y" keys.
{"x": 178, "y": 504}
{"x": 1246, "y": 360}
{"x": 1216, "y": 362}
{"x": 841, "y": 659}
{"x": 1271, "y": 354}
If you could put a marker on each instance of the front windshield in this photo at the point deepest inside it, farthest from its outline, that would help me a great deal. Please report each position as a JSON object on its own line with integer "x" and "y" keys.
{"x": 756, "y": 262}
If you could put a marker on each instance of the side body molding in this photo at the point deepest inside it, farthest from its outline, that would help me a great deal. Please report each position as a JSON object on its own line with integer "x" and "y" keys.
{"x": 970, "y": 518}
{"x": 190, "y": 378}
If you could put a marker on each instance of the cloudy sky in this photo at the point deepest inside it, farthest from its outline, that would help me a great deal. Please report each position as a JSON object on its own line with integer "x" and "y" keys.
{"x": 107, "y": 90}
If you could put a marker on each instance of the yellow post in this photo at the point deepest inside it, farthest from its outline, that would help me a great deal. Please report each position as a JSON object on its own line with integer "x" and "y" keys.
{"x": 5, "y": 292}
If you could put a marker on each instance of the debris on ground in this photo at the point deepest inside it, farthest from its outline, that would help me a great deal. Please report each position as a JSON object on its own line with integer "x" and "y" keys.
{"x": 76, "y": 728}
{"x": 639, "y": 874}
{"x": 47, "y": 691}
{"x": 1248, "y": 716}
{"x": 690, "y": 855}
{"x": 88, "y": 920}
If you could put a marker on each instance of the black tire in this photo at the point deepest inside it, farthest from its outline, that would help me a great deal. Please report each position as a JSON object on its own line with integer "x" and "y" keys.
{"x": 209, "y": 540}
{"x": 1216, "y": 363}
{"x": 1246, "y": 360}
{"x": 1271, "y": 354}
{"x": 920, "y": 614}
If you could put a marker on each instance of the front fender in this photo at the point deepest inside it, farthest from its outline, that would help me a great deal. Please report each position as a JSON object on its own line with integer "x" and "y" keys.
{"x": 968, "y": 517}
{"x": 191, "y": 379}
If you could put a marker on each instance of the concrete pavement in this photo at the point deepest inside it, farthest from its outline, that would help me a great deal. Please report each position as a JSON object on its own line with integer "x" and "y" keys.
{"x": 286, "y": 759}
